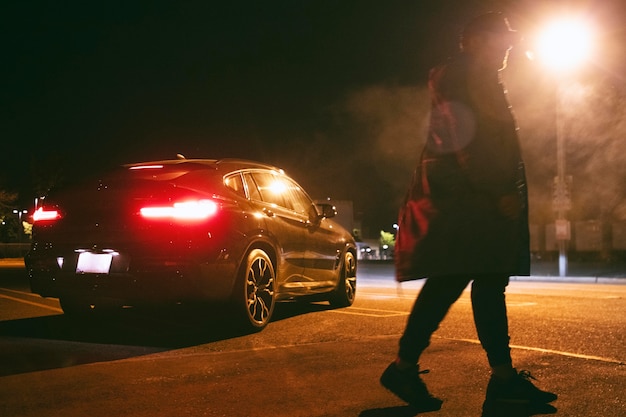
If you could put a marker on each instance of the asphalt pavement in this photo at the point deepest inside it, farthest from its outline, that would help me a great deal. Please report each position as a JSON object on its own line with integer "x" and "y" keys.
{"x": 328, "y": 379}
{"x": 334, "y": 378}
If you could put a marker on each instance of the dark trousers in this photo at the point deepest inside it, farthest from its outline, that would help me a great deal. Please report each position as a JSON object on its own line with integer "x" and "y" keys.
{"x": 435, "y": 299}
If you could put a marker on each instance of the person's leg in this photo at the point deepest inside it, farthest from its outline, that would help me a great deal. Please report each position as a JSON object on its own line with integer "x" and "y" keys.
{"x": 490, "y": 317}
{"x": 431, "y": 306}
{"x": 403, "y": 376}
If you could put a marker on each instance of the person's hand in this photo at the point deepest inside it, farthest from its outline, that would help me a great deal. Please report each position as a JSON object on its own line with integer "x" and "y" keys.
{"x": 510, "y": 206}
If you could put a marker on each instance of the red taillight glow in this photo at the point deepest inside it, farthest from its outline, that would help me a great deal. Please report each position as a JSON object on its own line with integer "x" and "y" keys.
{"x": 45, "y": 214}
{"x": 185, "y": 210}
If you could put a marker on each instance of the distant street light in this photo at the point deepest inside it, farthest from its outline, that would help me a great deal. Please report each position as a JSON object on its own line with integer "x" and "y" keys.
{"x": 19, "y": 214}
{"x": 20, "y": 226}
{"x": 561, "y": 46}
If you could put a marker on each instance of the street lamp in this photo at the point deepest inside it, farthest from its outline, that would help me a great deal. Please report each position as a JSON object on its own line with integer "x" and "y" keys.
{"x": 19, "y": 214}
{"x": 562, "y": 45}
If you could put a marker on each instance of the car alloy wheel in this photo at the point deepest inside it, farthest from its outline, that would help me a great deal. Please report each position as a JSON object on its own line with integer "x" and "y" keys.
{"x": 259, "y": 291}
{"x": 344, "y": 294}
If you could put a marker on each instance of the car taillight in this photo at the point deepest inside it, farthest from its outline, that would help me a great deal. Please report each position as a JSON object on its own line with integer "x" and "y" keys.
{"x": 184, "y": 210}
{"x": 43, "y": 214}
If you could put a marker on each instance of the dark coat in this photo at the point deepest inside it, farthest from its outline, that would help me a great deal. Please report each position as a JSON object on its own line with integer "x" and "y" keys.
{"x": 471, "y": 160}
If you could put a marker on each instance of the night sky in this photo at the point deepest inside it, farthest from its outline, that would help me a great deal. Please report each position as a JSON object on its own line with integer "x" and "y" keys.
{"x": 331, "y": 91}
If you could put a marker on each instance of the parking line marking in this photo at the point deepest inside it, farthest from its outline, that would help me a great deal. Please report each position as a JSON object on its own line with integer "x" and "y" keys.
{"x": 19, "y": 300}
{"x": 374, "y": 312}
{"x": 508, "y": 303}
{"x": 385, "y": 296}
{"x": 30, "y": 294}
{"x": 462, "y": 300}
{"x": 552, "y": 351}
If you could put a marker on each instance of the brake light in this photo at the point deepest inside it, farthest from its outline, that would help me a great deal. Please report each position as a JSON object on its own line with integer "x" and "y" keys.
{"x": 185, "y": 210}
{"x": 45, "y": 214}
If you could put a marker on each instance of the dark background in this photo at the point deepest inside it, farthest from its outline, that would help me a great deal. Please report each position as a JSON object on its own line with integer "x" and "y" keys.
{"x": 334, "y": 92}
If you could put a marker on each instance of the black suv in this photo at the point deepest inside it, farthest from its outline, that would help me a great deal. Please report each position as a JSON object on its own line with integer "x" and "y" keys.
{"x": 190, "y": 230}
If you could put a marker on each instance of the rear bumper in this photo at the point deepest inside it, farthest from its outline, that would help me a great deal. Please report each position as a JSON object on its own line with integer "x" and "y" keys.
{"x": 134, "y": 280}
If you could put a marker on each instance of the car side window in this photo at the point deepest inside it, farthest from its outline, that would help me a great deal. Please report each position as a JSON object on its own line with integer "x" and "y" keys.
{"x": 272, "y": 189}
{"x": 280, "y": 191}
{"x": 235, "y": 183}
{"x": 300, "y": 201}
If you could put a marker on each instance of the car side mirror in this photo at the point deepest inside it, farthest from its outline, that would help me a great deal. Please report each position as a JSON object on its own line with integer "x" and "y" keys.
{"x": 327, "y": 210}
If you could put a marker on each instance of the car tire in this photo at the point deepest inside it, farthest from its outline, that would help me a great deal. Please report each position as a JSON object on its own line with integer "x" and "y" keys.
{"x": 255, "y": 295}
{"x": 345, "y": 292}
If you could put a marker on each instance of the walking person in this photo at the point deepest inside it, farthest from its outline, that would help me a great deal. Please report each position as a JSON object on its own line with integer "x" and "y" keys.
{"x": 472, "y": 172}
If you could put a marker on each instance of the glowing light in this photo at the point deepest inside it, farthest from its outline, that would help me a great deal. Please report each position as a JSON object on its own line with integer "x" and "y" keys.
{"x": 187, "y": 210}
{"x": 42, "y": 214}
{"x": 278, "y": 187}
{"x": 563, "y": 44}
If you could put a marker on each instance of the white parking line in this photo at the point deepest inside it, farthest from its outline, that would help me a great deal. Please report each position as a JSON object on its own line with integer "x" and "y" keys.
{"x": 463, "y": 300}
{"x": 370, "y": 312}
{"x": 542, "y": 350}
{"x": 41, "y": 305}
{"x": 508, "y": 303}
{"x": 30, "y": 294}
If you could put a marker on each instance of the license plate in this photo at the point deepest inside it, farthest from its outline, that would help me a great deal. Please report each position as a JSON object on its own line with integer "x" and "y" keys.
{"x": 94, "y": 263}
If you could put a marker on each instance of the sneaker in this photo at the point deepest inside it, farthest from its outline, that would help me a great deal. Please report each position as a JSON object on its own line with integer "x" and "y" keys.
{"x": 517, "y": 390}
{"x": 408, "y": 386}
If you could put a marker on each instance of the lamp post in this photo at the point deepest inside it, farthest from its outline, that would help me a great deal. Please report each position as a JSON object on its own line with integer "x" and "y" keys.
{"x": 561, "y": 200}
{"x": 20, "y": 228}
{"x": 19, "y": 214}
{"x": 562, "y": 45}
